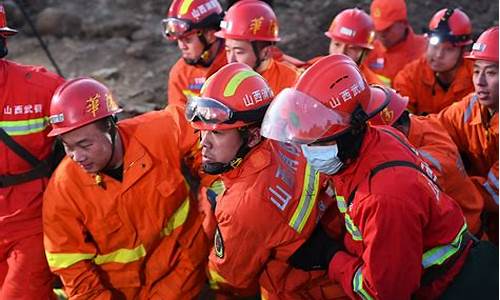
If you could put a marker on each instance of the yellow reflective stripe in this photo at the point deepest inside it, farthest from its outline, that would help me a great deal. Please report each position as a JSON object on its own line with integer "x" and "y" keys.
{"x": 217, "y": 187}
{"x": 352, "y": 229}
{"x": 60, "y": 294}
{"x": 385, "y": 80}
{"x": 235, "y": 82}
{"x": 341, "y": 204}
{"x": 214, "y": 278}
{"x": 357, "y": 284}
{"x": 24, "y": 127}
{"x": 64, "y": 260}
{"x": 185, "y": 6}
{"x": 307, "y": 199}
{"x": 121, "y": 256}
{"x": 178, "y": 218}
{"x": 438, "y": 255}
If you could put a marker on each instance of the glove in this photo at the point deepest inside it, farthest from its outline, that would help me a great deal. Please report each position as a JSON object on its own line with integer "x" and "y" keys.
{"x": 316, "y": 252}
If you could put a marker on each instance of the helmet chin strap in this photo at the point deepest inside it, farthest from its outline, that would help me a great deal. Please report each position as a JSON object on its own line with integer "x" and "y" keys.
{"x": 205, "y": 59}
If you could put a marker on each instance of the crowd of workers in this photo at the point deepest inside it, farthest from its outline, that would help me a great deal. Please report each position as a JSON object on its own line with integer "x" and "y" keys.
{"x": 370, "y": 172}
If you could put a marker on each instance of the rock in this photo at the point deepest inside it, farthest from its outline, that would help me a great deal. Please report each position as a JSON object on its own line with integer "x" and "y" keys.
{"x": 105, "y": 74}
{"x": 120, "y": 27}
{"x": 58, "y": 22}
{"x": 139, "y": 50}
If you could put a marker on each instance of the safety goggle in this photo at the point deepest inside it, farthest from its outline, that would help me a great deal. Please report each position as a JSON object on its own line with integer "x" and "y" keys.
{"x": 173, "y": 28}
{"x": 211, "y": 111}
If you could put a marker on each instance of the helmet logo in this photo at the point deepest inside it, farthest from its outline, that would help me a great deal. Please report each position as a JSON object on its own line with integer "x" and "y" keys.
{"x": 256, "y": 24}
{"x": 479, "y": 47}
{"x": 110, "y": 103}
{"x": 387, "y": 115}
{"x": 201, "y": 10}
{"x": 273, "y": 28}
{"x": 257, "y": 96}
{"x": 347, "y": 31}
{"x": 54, "y": 119}
{"x": 346, "y": 94}
{"x": 93, "y": 104}
{"x": 377, "y": 13}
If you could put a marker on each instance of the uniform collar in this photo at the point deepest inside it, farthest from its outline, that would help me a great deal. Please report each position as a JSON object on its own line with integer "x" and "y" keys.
{"x": 256, "y": 160}
{"x": 463, "y": 73}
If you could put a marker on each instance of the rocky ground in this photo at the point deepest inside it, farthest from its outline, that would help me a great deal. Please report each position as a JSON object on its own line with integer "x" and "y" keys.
{"x": 120, "y": 42}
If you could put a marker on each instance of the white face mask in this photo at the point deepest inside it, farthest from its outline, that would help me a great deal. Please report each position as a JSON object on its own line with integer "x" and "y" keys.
{"x": 323, "y": 158}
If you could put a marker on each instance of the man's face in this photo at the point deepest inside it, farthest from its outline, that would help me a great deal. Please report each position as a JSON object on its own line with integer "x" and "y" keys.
{"x": 485, "y": 79}
{"x": 443, "y": 57}
{"x": 240, "y": 51}
{"x": 88, "y": 146}
{"x": 338, "y": 47}
{"x": 393, "y": 34}
{"x": 190, "y": 46}
{"x": 220, "y": 146}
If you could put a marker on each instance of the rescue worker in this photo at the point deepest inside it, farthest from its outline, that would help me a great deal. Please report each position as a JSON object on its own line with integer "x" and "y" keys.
{"x": 192, "y": 25}
{"x": 25, "y": 166}
{"x": 441, "y": 76}
{"x": 270, "y": 205}
{"x": 395, "y": 43}
{"x": 404, "y": 236}
{"x": 438, "y": 150}
{"x": 352, "y": 34}
{"x": 250, "y": 30}
{"x": 473, "y": 123}
{"x": 118, "y": 219}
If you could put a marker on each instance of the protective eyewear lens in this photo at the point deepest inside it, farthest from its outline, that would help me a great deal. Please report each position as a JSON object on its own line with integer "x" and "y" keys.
{"x": 208, "y": 111}
{"x": 174, "y": 28}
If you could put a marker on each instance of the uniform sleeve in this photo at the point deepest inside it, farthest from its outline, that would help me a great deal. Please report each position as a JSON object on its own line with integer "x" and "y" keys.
{"x": 404, "y": 83}
{"x": 240, "y": 252}
{"x": 174, "y": 88}
{"x": 390, "y": 265}
{"x": 68, "y": 249}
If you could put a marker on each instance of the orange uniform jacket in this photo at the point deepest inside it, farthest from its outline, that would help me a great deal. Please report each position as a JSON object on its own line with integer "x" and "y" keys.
{"x": 440, "y": 152}
{"x": 185, "y": 81}
{"x": 426, "y": 96}
{"x": 268, "y": 209}
{"x": 137, "y": 239}
{"x": 25, "y": 93}
{"x": 476, "y": 136}
{"x": 280, "y": 75}
{"x": 386, "y": 63}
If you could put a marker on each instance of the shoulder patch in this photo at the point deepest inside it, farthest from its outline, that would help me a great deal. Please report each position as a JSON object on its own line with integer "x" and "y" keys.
{"x": 218, "y": 243}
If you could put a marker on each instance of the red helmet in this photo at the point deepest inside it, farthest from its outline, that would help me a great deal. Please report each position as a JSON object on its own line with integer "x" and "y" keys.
{"x": 5, "y": 31}
{"x": 450, "y": 25}
{"x": 486, "y": 46}
{"x": 79, "y": 102}
{"x": 185, "y": 15}
{"x": 353, "y": 26}
{"x": 251, "y": 20}
{"x": 322, "y": 104}
{"x": 233, "y": 97}
{"x": 391, "y": 113}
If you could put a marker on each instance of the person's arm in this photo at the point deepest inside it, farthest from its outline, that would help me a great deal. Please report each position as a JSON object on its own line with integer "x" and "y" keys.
{"x": 404, "y": 83}
{"x": 68, "y": 248}
{"x": 390, "y": 265}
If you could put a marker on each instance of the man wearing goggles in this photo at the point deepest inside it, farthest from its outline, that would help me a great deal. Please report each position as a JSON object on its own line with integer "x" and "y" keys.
{"x": 441, "y": 76}
{"x": 192, "y": 25}
{"x": 271, "y": 203}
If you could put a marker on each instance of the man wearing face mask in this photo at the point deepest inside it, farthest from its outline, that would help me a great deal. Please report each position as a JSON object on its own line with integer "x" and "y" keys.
{"x": 271, "y": 203}
{"x": 441, "y": 76}
{"x": 250, "y": 30}
{"x": 25, "y": 165}
{"x": 405, "y": 237}
{"x": 192, "y": 25}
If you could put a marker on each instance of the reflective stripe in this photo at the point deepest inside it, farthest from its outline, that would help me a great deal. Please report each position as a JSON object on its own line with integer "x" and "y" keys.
{"x": 178, "y": 218}
{"x": 341, "y": 204}
{"x": 492, "y": 192}
{"x": 357, "y": 284}
{"x": 352, "y": 229}
{"x": 235, "y": 82}
{"x": 385, "y": 80}
{"x": 468, "y": 111}
{"x": 60, "y": 294}
{"x": 307, "y": 200}
{"x": 431, "y": 159}
{"x": 189, "y": 94}
{"x": 121, "y": 256}
{"x": 64, "y": 260}
{"x": 437, "y": 255}
{"x": 185, "y": 6}
{"x": 217, "y": 187}
{"x": 493, "y": 179}
{"x": 24, "y": 127}
{"x": 214, "y": 279}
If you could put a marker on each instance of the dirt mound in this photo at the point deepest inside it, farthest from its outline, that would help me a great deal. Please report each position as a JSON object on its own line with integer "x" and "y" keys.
{"x": 120, "y": 41}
